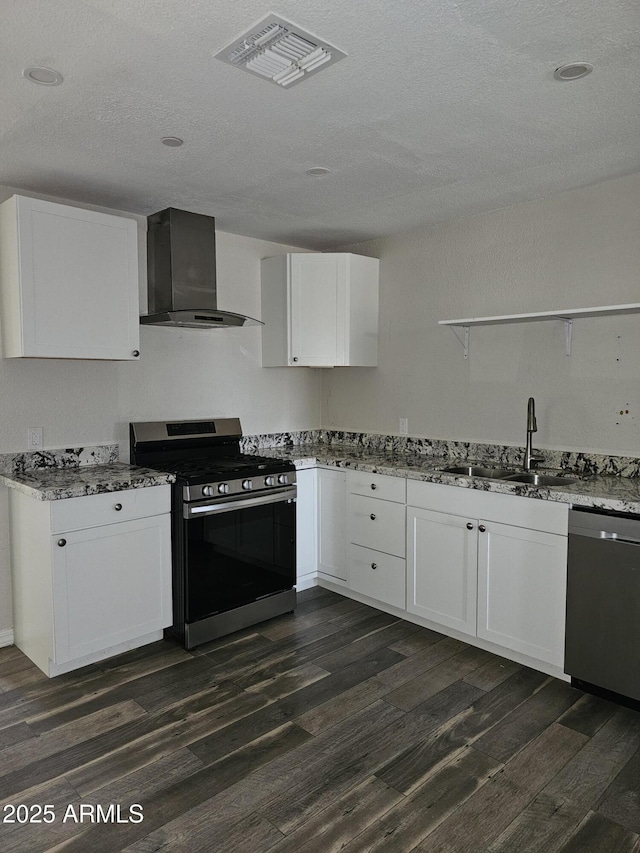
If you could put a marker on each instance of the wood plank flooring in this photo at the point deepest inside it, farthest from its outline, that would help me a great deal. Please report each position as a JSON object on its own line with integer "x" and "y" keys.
{"x": 336, "y": 728}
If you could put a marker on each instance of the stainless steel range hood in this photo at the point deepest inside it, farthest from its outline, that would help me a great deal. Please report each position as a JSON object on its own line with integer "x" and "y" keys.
{"x": 181, "y": 268}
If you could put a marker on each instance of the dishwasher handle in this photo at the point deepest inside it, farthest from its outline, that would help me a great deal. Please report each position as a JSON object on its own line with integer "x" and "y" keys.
{"x": 609, "y": 528}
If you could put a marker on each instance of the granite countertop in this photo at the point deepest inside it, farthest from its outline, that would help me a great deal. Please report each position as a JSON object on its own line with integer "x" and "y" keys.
{"x": 599, "y": 491}
{"x": 51, "y": 484}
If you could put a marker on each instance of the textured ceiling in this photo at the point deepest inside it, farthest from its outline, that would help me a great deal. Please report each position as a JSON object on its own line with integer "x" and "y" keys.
{"x": 442, "y": 108}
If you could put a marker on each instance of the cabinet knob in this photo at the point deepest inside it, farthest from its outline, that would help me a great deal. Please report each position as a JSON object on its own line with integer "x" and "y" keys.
{"x": 62, "y": 543}
{"x": 118, "y": 507}
{"x": 372, "y": 516}
{"x": 295, "y": 358}
{"x": 374, "y": 565}
{"x": 469, "y": 525}
{"x": 481, "y": 528}
{"x": 135, "y": 353}
{"x": 373, "y": 486}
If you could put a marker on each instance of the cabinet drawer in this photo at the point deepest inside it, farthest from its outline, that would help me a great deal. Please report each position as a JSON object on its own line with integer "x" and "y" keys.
{"x": 377, "y": 575}
{"x": 109, "y": 508}
{"x": 377, "y": 485}
{"x": 377, "y": 524}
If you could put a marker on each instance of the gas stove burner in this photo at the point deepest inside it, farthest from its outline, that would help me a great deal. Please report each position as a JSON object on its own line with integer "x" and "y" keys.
{"x": 207, "y": 454}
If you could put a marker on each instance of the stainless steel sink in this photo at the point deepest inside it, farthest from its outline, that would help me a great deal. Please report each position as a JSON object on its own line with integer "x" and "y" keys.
{"x": 540, "y": 479}
{"x": 479, "y": 471}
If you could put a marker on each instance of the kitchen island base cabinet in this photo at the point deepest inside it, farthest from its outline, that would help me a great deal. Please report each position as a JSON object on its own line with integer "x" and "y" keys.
{"x": 84, "y": 590}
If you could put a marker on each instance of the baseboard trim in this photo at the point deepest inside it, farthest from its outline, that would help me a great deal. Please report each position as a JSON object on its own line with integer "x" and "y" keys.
{"x": 6, "y": 637}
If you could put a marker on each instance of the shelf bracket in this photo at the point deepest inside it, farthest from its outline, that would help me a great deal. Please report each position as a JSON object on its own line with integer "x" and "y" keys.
{"x": 568, "y": 325}
{"x": 465, "y": 340}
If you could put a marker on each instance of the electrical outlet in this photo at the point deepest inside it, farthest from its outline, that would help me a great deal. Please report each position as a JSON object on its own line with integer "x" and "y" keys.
{"x": 34, "y": 438}
{"x": 403, "y": 426}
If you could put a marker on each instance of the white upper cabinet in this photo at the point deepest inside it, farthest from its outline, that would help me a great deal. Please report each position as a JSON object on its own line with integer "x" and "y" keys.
{"x": 68, "y": 282}
{"x": 320, "y": 310}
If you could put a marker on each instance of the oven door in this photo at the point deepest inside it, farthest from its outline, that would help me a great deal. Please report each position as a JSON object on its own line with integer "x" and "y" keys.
{"x": 238, "y": 550}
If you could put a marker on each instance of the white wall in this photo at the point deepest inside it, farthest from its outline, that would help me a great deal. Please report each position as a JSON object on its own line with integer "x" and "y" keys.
{"x": 186, "y": 373}
{"x": 578, "y": 249}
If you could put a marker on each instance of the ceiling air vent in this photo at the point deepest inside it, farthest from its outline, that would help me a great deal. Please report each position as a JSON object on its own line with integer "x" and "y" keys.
{"x": 279, "y": 51}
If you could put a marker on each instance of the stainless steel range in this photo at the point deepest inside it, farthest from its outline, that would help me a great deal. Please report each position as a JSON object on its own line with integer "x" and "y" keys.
{"x": 233, "y": 526}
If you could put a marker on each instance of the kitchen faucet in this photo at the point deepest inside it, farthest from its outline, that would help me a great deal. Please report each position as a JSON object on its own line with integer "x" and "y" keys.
{"x": 530, "y": 459}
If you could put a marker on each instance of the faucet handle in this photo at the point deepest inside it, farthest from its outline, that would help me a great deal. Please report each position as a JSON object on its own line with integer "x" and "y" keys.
{"x": 534, "y": 460}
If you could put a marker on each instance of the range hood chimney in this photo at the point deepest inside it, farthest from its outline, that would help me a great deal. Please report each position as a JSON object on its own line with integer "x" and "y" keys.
{"x": 181, "y": 269}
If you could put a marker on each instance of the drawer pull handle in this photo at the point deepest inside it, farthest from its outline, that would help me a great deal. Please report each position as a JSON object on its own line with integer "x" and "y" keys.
{"x": 481, "y": 528}
{"x": 62, "y": 543}
{"x": 372, "y": 516}
{"x": 118, "y": 507}
{"x": 373, "y": 486}
{"x": 374, "y": 565}
{"x": 469, "y": 525}
{"x": 135, "y": 353}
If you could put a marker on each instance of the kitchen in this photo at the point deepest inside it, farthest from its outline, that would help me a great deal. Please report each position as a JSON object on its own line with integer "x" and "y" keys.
{"x": 553, "y": 250}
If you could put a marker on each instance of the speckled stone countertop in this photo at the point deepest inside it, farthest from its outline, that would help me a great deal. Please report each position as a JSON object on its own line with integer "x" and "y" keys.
{"x": 599, "y": 491}
{"x": 52, "y": 484}
{"x": 59, "y": 474}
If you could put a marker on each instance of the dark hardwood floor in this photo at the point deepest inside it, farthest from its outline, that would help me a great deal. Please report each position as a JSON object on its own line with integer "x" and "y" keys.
{"x": 336, "y": 728}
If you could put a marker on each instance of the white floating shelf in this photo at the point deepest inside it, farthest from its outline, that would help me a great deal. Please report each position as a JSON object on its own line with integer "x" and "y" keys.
{"x": 566, "y": 315}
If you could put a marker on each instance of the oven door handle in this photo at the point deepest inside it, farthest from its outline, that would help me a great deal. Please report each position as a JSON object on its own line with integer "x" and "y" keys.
{"x": 233, "y": 504}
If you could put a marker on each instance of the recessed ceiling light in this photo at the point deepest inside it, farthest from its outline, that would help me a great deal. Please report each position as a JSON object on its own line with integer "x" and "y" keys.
{"x": 318, "y": 171}
{"x": 572, "y": 71}
{"x": 172, "y": 141}
{"x": 42, "y": 76}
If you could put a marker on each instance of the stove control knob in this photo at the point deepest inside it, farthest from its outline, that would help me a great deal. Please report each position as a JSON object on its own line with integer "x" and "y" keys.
{"x": 269, "y": 481}
{"x": 207, "y": 491}
{"x": 223, "y": 489}
{"x": 247, "y": 485}
{"x": 283, "y": 479}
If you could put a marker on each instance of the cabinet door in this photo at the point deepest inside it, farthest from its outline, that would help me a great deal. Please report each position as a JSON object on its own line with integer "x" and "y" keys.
{"x": 332, "y": 534}
{"x": 306, "y": 512}
{"x": 110, "y": 584}
{"x": 522, "y": 590}
{"x": 442, "y": 568}
{"x": 78, "y": 281}
{"x": 317, "y": 315}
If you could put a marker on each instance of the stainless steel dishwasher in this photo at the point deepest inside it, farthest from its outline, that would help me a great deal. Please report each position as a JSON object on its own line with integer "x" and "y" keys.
{"x": 602, "y": 647}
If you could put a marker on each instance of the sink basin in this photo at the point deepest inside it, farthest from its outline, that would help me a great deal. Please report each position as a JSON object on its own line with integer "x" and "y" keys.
{"x": 479, "y": 471}
{"x": 541, "y": 479}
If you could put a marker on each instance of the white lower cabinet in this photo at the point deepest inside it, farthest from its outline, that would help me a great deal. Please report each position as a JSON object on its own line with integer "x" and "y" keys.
{"x": 522, "y": 590}
{"x": 442, "y": 568}
{"x": 306, "y": 527}
{"x": 376, "y": 534}
{"x": 502, "y": 582}
{"x": 85, "y": 584}
{"x": 378, "y": 575}
{"x": 332, "y": 540}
